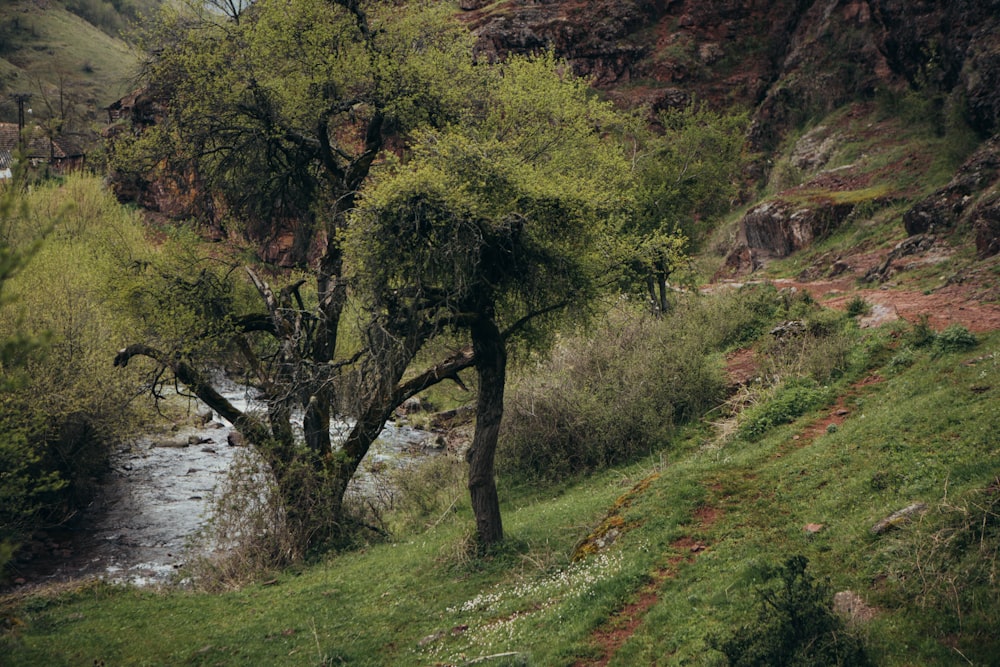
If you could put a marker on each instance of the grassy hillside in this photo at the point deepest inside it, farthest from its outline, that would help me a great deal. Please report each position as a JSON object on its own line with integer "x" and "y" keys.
{"x": 47, "y": 49}
{"x": 643, "y": 564}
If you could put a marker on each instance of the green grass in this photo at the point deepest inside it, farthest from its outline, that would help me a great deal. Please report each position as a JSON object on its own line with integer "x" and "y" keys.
{"x": 926, "y": 433}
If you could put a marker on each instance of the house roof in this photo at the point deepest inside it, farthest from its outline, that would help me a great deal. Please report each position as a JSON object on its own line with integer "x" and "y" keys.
{"x": 38, "y": 144}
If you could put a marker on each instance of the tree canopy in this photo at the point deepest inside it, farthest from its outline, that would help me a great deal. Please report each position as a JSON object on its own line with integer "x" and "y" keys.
{"x": 494, "y": 223}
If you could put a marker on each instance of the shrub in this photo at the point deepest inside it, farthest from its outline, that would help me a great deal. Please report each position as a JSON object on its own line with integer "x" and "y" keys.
{"x": 902, "y": 359}
{"x": 789, "y": 401}
{"x": 921, "y": 335}
{"x": 608, "y": 398}
{"x": 955, "y": 338}
{"x": 68, "y": 405}
{"x": 858, "y": 306}
{"x": 795, "y": 625}
{"x": 825, "y": 350}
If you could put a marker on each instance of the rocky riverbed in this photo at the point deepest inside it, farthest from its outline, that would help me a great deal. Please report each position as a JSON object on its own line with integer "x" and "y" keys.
{"x": 157, "y": 497}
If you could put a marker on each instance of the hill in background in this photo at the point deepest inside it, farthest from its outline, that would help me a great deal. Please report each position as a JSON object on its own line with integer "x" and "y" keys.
{"x": 71, "y": 56}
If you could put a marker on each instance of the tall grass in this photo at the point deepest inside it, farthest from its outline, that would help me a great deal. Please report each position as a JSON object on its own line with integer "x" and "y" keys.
{"x": 614, "y": 394}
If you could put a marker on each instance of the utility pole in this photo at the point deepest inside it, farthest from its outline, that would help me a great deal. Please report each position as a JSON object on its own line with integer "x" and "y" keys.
{"x": 21, "y": 99}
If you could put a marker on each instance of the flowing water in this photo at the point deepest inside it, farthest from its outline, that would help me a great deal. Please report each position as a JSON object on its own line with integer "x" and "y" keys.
{"x": 157, "y": 497}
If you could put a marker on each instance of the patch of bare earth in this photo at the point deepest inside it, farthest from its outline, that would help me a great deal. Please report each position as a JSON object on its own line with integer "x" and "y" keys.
{"x": 954, "y": 304}
{"x": 836, "y": 416}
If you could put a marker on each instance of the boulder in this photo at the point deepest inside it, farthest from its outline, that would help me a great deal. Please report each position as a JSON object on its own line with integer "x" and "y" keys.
{"x": 780, "y": 228}
{"x": 986, "y": 224}
{"x": 235, "y": 439}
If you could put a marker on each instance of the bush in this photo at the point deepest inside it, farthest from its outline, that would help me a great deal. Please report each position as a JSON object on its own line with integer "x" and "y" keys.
{"x": 921, "y": 335}
{"x": 858, "y": 306}
{"x": 955, "y": 338}
{"x": 608, "y": 398}
{"x": 69, "y": 405}
{"x": 795, "y": 625}
{"x": 789, "y": 401}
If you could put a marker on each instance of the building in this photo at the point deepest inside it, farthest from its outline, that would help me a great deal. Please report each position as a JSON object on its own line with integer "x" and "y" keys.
{"x": 58, "y": 152}
{"x": 6, "y": 165}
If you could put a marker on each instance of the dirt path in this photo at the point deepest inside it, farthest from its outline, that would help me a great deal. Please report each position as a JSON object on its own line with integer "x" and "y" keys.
{"x": 622, "y": 624}
{"x": 953, "y": 304}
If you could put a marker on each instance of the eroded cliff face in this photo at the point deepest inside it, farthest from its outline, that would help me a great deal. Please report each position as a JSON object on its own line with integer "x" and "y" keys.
{"x": 786, "y": 59}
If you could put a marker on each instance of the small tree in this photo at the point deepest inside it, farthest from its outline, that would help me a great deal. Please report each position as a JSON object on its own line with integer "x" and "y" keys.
{"x": 493, "y": 226}
{"x": 687, "y": 171}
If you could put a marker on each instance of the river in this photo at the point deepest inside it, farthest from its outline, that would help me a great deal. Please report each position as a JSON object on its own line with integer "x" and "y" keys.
{"x": 156, "y": 498}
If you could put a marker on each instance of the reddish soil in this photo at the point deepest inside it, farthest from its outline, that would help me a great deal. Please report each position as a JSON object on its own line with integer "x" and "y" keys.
{"x": 952, "y": 304}
{"x": 741, "y": 367}
{"x": 838, "y": 413}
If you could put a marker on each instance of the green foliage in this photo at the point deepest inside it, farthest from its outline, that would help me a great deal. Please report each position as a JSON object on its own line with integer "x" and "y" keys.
{"x": 22, "y": 481}
{"x": 506, "y": 211}
{"x": 904, "y": 358}
{"x": 950, "y": 564}
{"x": 921, "y": 334}
{"x": 66, "y": 407}
{"x": 268, "y": 112}
{"x": 427, "y": 494}
{"x": 795, "y": 626}
{"x": 689, "y": 173}
{"x": 686, "y": 176}
{"x": 789, "y": 401}
{"x": 610, "y": 396}
{"x": 954, "y": 338}
{"x": 858, "y": 306}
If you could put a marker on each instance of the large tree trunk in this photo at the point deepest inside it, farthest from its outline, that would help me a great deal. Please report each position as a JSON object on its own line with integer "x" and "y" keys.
{"x": 491, "y": 368}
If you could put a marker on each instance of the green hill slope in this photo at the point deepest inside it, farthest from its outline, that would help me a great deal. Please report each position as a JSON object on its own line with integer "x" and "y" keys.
{"x": 50, "y": 52}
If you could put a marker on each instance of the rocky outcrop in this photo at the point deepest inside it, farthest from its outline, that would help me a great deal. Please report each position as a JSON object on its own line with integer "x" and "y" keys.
{"x": 596, "y": 37}
{"x": 779, "y": 227}
{"x": 946, "y": 46}
{"x": 786, "y": 59}
{"x": 970, "y": 200}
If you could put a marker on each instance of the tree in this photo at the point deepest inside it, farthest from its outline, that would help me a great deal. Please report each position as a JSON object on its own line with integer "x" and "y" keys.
{"x": 687, "y": 172}
{"x": 282, "y": 115}
{"x": 495, "y": 225}
{"x": 22, "y": 481}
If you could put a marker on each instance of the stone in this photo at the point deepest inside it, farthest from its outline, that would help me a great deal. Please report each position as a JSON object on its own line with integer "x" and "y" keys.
{"x": 235, "y": 439}
{"x": 789, "y": 329}
{"x": 852, "y": 607}
{"x": 813, "y": 528}
{"x": 898, "y": 518}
